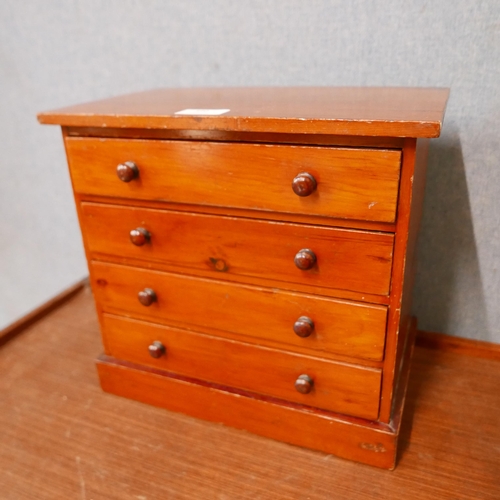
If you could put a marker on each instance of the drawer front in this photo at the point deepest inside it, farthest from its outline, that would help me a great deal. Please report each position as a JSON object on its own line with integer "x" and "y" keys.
{"x": 208, "y": 244}
{"x": 233, "y": 311}
{"x": 351, "y": 183}
{"x": 339, "y": 387}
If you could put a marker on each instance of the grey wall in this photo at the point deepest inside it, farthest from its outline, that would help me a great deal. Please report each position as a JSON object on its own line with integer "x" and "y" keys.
{"x": 61, "y": 52}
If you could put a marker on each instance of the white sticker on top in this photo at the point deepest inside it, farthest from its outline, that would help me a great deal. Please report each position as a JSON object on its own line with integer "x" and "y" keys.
{"x": 205, "y": 112}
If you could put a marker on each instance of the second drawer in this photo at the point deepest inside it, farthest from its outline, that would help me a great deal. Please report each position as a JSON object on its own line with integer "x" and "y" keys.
{"x": 339, "y": 387}
{"x": 241, "y": 248}
{"x": 268, "y": 316}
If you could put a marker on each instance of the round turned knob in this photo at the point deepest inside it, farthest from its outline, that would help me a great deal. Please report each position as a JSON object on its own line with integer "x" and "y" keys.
{"x": 156, "y": 349}
{"x": 304, "y": 184}
{"x": 127, "y": 171}
{"x": 304, "y": 326}
{"x": 305, "y": 259}
{"x": 140, "y": 236}
{"x": 304, "y": 384}
{"x": 147, "y": 296}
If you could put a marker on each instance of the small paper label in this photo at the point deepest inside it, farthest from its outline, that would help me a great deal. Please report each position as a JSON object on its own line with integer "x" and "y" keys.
{"x": 205, "y": 112}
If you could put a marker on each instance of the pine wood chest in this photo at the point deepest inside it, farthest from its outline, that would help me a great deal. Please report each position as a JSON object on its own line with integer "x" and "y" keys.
{"x": 251, "y": 253}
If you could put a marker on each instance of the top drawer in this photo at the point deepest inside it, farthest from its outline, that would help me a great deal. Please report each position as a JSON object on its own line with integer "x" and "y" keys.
{"x": 350, "y": 183}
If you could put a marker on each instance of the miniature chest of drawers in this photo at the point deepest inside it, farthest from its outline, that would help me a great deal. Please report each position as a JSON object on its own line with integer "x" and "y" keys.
{"x": 251, "y": 253}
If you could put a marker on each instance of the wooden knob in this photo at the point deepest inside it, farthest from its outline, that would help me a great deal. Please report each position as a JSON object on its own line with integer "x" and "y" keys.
{"x": 147, "y": 296}
{"x": 305, "y": 259}
{"x": 156, "y": 349}
{"x": 140, "y": 236}
{"x": 304, "y": 184}
{"x": 304, "y": 384}
{"x": 304, "y": 326}
{"x": 127, "y": 171}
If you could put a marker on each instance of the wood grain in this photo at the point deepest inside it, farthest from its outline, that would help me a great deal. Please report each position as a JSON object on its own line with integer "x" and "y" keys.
{"x": 242, "y": 312}
{"x": 302, "y": 426}
{"x": 97, "y": 446}
{"x": 375, "y": 111}
{"x": 218, "y": 246}
{"x": 229, "y": 166}
{"x": 318, "y": 220}
{"x": 339, "y": 387}
{"x": 409, "y": 213}
{"x": 352, "y": 183}
{"x": 467, "y": 347}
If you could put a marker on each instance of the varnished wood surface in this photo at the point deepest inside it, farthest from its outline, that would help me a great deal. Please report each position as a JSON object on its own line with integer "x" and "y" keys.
{"x": 385, "y": 227}
{"x": 411, "y": 194}
{"x": 375, "y": 111}
{"x": 345, "y": 436}
{"x": 468, "y": 347}
{"x": 348, "y": 437}
{"x": 359, "y": 184}
{"x": 222, "y": 247}
{"x": 228, "y": 136}
{"x": 339, "y": 387}
{"x": 63, "y": 438}
{"x": 405, "y": 262}
{"x": 243, "y": 312}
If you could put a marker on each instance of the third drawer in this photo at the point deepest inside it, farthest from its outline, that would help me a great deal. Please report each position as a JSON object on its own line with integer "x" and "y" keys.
{"x": 261, "y": 315}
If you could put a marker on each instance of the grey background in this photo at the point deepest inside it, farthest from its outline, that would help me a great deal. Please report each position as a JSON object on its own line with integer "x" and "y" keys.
{"x": 55, "y": 53}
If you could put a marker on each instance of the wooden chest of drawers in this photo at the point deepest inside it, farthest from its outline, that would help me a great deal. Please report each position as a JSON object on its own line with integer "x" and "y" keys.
{"x": 251, "y": 253}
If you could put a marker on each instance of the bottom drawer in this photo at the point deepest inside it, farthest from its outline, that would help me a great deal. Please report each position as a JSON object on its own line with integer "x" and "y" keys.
{"x": 339, "y": 387}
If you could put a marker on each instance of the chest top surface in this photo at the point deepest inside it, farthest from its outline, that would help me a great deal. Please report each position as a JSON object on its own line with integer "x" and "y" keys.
{"x": 366, "y": 111}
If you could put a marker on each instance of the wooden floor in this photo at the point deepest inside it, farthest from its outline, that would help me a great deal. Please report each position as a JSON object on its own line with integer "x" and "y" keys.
{"x": 62, "y": 438}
